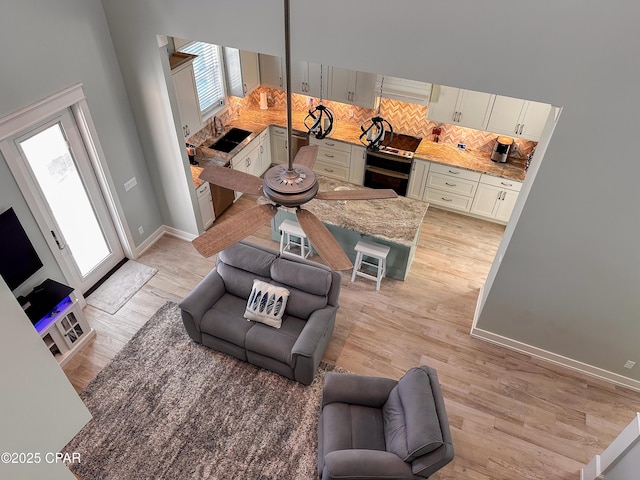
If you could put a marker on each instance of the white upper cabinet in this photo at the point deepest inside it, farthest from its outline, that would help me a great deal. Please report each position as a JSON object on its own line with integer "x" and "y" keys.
{"x": 410, "y": 91}
{"x": 457, "y": 106}
{"x": 184, "y": 83}
{"x": 518, "y": 118}
{"x": 305, "y": 79}
{"x": 242, "y": 70}
{"x": 350, "y": 86}
{"x": 271, "y": 71}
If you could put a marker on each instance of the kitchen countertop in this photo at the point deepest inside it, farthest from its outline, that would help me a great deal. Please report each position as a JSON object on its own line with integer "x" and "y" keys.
{"x": 257, "y": 120}
{"x": 395, "y": 220}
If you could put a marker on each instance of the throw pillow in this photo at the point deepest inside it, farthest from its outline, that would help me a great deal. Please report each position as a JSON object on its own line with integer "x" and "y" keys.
{"x": 266, "y": 304}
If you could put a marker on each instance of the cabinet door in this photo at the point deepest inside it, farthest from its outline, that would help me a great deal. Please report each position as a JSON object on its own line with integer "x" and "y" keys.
{"x": 534, "y": 120}
{"x": 473, "y": 109}
{"x": 206, "y": 205}
{"x": 443, "y": 104}
{"x": 299, "y": 77}
{"x": 339, "y": 87}
{"x": 271, "y": 74}
{"x": 417, "y": 179}
{"x": 265, "y": 151}
{"x": 364, "y": 85}
{"x": 486, "y": 199}
{"x": 184, "y": 83}
{"x": 313, "y": 80}
{"x": 505, "y": 205}
{"x": 250, "y": 71}
{"x": 356, "y": 164}
{"x": 279, "y": 152}
{"x": 252, "y": 160}
{"x": 505, "y": 115}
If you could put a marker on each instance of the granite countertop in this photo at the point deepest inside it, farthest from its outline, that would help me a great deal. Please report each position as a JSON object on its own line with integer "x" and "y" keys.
{"x": 395, "y": 220}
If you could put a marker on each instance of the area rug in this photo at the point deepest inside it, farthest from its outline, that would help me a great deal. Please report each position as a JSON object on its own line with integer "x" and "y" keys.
{"x": 169, "y": 408}
{"x": 121, "y": 286}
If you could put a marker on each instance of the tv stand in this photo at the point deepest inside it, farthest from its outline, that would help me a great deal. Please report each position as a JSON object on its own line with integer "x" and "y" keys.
{"x": 56, "y": 315}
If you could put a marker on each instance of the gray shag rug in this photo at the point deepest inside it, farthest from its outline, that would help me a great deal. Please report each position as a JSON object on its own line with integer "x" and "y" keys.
{"x": 121, "y": 286}
{"x": 169, "y": 408}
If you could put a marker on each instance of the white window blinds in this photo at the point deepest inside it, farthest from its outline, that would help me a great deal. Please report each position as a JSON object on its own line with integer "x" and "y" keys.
{"x": 208, "y": 73}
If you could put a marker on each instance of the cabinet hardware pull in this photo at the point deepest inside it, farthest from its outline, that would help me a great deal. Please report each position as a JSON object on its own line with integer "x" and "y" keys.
{"x": 450, "y": 184}
{"x": 280, "y": 82}
{"x": 328, "y": 170}
{"x": 506, "y": 184}
{"x": 454, "y": 172}
{"x": 521, "y": 128}
{"x": 330, "y": 156}
{"x": 517, "y": 127}
{"x": 329, "y": 144}
{"x": 447, "y": 199}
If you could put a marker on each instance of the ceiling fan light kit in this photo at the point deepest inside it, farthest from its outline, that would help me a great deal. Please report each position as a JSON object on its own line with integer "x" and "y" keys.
{"x": 291, "y": 185}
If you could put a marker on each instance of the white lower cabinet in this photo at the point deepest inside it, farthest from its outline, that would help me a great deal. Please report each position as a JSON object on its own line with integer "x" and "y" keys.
{"x": 357, "y": 164}
{"x": 248, "y": 161}
{"x": 206, "y": 205}
{"x": 450, "y": 187}
{"x": 265, "y": 151}
{"x": 279, "y": 150}
{"x": 418, "y": 179}
{"x": 495, "y": 198}
{"x": 333, "y": 158}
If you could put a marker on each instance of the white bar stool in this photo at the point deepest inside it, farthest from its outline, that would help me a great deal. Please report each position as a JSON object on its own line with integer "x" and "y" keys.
{"x": 375, "y": 252}
{"x": 291, "y": 228}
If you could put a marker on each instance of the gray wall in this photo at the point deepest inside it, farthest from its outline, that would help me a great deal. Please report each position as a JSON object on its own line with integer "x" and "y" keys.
{"x": 49, "y": 46}
{"x": 569, "y": 276}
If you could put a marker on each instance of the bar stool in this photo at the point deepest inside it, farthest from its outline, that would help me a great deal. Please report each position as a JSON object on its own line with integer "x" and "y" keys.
{"x": 375, "y": 252}
{"x": 291, "y": 228}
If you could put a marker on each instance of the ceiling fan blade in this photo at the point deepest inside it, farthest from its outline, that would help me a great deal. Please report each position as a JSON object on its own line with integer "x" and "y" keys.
{"x": 233, "y": 229}
{"x": 371, "y": 194}
{"x": 232, "y": 179}
{"x": 306, "y": 156}
{"x": 322, "y": 240}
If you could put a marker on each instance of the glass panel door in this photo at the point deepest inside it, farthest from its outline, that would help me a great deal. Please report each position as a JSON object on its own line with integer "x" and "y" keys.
{"x": 55, "y": 170}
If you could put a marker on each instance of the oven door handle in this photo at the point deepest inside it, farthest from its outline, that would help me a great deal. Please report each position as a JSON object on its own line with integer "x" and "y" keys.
{"x": 388, "y": 173}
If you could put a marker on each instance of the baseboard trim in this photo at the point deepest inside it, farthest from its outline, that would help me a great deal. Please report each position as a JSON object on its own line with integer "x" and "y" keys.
{"x": 174, "y": 232}
{"x": 157, "y": 235}
{"x": 554, "y": 358}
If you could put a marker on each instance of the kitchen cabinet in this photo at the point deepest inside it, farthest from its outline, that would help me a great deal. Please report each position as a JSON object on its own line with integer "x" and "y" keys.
{"x": 410, "y": 91}
{"x": 265, "y": 151}
{"x": 457, "y": 106}
{"x": 350, "y": 86}
{"x": 518, "y": 118}
{"x": 495, "y": 198}
{"x": 248, "y": 161}
{"x": 418, "y": 179}
{"x": 184, "y": 84}
{"x": 305, "y": 79}
{"x": 279, "y": 150}
{"x": 357, "y": 164}
{"x": 242, "y": 71}
{"x": 271, "y": 71}
{"x": 333, "y": 158}
{"x": 451, "y": 187}
{"x": 206, "y": 205}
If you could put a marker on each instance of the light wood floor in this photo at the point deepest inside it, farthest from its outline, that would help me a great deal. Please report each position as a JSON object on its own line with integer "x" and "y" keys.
{"x": 512, "y": 417}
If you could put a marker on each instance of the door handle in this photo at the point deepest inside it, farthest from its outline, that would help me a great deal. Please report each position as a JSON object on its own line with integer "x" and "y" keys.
{"x": 60, "y": 246}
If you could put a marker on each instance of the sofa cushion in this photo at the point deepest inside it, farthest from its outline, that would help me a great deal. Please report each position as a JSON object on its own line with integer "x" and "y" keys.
{"x": 266, "y": 304}
{"x": 411, "y": 423}
{"x": 351, "y": 426}
{"x": 224, "y": 320}
{"x": 302, "y": 304}
{"x": 249, "y": 258}
{"x": 272, "y": 343}
{"x": 238, "y": 282}
{"x": 308, "y": 278}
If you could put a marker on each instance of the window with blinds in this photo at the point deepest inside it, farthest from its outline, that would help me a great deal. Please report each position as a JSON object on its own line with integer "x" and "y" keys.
{"x": 208, "y": 72}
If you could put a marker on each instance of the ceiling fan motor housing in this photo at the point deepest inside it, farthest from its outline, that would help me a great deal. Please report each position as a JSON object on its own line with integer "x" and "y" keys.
{"x": 290, "y": 188}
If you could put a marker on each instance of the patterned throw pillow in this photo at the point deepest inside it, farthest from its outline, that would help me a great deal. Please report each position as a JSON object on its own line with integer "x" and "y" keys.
{"x": 266, "y": 304}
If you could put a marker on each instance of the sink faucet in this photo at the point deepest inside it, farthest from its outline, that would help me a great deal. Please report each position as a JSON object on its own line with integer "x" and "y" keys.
{"x": 218, "y": 127}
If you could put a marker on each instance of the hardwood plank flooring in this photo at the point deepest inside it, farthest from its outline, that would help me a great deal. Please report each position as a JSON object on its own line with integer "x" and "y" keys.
{"x": 512, "y": 416}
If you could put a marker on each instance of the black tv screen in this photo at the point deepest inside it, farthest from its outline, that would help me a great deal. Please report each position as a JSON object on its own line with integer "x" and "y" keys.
{"x": 18, "y": 258}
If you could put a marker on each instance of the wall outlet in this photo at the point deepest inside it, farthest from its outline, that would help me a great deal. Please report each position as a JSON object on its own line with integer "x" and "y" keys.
{"x": 629, "y": 364}
{"x": 141, "y": 230}
{"x": 129, "y": 184}
{"x": 351, "y": 112}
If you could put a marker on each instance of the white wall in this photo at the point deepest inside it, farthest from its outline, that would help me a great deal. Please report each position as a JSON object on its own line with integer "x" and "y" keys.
{"x": 569, "y": 279}
{"x": 40, "y": 411}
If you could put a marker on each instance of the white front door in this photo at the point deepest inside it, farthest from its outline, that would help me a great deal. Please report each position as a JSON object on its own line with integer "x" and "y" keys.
{"x": 71, "y": 208}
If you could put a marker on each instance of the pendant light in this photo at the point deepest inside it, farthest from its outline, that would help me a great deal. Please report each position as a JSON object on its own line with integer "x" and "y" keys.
{"x": 374, "y": 130}
{"x": 320, "y": 118}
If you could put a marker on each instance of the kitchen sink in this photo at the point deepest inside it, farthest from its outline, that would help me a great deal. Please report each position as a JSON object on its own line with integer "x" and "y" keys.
{"x": 230, "y": 140}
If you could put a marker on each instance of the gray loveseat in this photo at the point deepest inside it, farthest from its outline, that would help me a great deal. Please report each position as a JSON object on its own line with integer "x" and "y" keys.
{"x": 213, "y": 312}
{"x": 373, "y": 427}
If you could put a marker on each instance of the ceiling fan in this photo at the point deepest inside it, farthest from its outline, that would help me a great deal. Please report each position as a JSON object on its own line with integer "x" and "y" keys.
{"x": 290, "y": 185}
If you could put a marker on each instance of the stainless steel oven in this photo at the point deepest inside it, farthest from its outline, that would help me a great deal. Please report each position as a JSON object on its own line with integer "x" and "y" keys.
{"x": 390, "y": 166}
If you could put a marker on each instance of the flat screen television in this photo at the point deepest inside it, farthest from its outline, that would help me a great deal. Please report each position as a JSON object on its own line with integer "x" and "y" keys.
{"x": 18, "y": 258}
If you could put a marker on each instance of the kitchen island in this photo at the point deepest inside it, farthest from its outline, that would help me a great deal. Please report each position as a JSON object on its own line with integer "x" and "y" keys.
{"x": 393, "y": 222}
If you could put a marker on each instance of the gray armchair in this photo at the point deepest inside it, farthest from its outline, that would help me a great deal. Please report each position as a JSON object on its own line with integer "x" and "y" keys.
{"x": 373, "y": 427}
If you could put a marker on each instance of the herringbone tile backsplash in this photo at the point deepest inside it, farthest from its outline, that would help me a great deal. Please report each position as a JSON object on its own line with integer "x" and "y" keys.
{"x": 407, "y": 118}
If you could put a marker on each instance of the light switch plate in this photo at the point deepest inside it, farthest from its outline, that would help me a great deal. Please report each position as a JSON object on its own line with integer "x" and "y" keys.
{"x": 129, "y": 184}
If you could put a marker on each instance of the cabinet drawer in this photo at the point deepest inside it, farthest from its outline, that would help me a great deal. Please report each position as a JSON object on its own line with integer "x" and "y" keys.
{"x": 279, "y": 131}
{"x": 447, "y": 199}
{"x": 331, "y": 170}
{"x": 501, "y": 182}
{"x": 202, "y": 189}
{"x": 334, "y": 156}
{"x": 456, "y": 172}
{"x": 452, "y": 184}
{"x": 330, "y": 144}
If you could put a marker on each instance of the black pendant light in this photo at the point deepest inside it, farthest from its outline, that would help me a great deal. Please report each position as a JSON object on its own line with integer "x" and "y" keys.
{"x": 375, "y": 129}
{"x": 319, "y": 122}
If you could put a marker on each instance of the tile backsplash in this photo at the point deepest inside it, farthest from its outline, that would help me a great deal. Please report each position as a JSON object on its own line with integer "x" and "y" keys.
{"x": 407, "y": 118}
